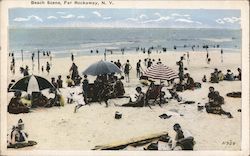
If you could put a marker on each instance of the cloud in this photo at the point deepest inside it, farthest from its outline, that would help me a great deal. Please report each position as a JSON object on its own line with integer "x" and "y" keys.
{"x": 22, "y": 19}
{"x": 60, "y": 12}
{"x": 184, "y": 20}
{"x": 187, "y": 21}
{"x": 106, "y": 18}
{"x": 220, "y": 21}
{"x": 231, "y": 19}
{"x": 180, "y": 15}
{"x": 227, "y": 20}
{"x": 97, "y": 13}
{"x": 132, "y": 19}
{"x": 142, "y": 16}
{"x": 68, "y": 16}
{"x": 80, "y": 17}
{"x": 51, "y": 17}
{"x": 160, "y": 19}
{"x": 198, "y": 22}
{"x": 157, "y": 14}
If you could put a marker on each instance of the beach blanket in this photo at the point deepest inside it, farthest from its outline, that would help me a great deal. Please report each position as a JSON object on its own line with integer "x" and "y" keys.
{"x": 22, "y": 145}
{"x": 234, "y": 94}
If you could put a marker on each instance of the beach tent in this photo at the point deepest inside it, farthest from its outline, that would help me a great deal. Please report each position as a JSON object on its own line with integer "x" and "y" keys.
{"x": 160, "y": 72}
{"x": 101, "y": 67}
{"x": 31, "y": 83}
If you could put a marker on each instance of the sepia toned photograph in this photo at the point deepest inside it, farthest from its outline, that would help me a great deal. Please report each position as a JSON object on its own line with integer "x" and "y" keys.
{"x": 111, "y": 77}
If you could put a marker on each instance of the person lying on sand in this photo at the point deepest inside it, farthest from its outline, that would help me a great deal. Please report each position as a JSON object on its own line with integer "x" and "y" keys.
{"x": 140, "y": 99}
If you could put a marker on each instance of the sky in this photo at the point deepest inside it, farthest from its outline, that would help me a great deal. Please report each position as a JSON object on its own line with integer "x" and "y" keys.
{"x": 124, "y": 18}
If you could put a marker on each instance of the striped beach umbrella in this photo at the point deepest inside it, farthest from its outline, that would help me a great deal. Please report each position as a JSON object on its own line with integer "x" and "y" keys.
{"x": 160, "y": 72}
{"x": 31, "y": 83}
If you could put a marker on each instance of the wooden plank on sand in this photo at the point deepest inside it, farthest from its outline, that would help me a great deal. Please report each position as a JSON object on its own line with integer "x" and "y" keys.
{"x": 137, "y": 141}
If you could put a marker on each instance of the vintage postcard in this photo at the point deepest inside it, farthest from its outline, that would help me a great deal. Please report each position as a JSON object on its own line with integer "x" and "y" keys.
{"x": 124, "y": 77}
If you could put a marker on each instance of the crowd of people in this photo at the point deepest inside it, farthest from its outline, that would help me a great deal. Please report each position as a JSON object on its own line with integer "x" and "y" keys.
{"x": 218, "y": 76}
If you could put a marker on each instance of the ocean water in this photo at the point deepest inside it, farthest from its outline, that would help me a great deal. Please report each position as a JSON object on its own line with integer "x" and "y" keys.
{"x": 80, "y": 41}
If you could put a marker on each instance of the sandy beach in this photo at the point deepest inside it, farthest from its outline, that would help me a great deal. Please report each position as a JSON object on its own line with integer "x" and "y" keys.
{"x": 61, "y": 129}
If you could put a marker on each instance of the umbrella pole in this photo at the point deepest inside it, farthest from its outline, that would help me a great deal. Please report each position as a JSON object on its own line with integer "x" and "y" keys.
{"x": 160, "y": 93}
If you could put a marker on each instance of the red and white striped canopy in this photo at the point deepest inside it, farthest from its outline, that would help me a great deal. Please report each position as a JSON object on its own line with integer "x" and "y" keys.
{"x": 161, "y": 72}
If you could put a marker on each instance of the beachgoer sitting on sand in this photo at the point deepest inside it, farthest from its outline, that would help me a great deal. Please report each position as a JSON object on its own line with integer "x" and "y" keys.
{"x": 204, "y": 79}
{"x": 174, "y": 94}
{"x": 239, "y": 75}
{"x": 17, "y": 135}
{"x": 58, "y": 100}
{"x": 214, "y": 76}
{"x": 69, "y": 81}
{"x": 218, "y": 99}
{"x": 140, "y": 99}
{"x": 144, "y": 80}
{"x": 229, "y": 76}
{"x": 16, "y": 106}
{"x": 220, "y": 76}
{"x": 70, "y": 95}
{"x": 38, "y": 99}
{"x": 119, "y": 87}
{"x": 190, "y": 82}
{"x": 183, "y": 139}
{"x": 214, "y": 104}
{"x": 211, "y": 94}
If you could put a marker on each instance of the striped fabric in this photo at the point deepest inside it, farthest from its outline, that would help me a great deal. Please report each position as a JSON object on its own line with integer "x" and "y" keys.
{"x": 161, "y": 72}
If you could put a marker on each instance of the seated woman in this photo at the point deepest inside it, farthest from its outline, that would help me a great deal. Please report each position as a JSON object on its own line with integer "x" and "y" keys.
{"x": 214, "y": 78}
{"x": 174, "y": 94}
{"x": 38, "y": 99}
{"x": 140, "y": 99}
{"x": 17, "y": 134}
{"x": 58, "y": 100}
{"x": 238, "y": 76}
{"x": 214, "y": 105}
{"x": 18, "y": 138}
{"x": 190, "y": 82}
{"x": 183, "y": 139}
{"x": 119, "y": 87}
{"x": 229, "y": 76}
{"x": 220, "y": 76}
{"x": 16, "y": 106}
